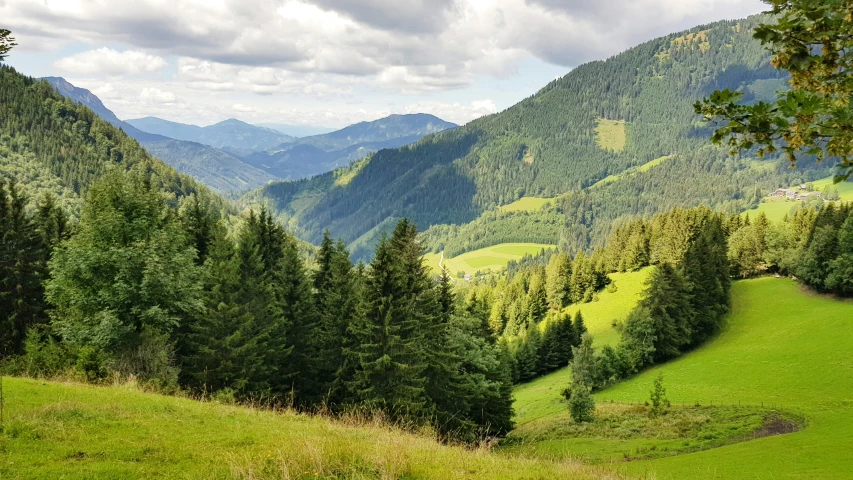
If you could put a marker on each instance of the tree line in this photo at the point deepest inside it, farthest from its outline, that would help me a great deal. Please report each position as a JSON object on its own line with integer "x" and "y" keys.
{"x": 166, "y": 294}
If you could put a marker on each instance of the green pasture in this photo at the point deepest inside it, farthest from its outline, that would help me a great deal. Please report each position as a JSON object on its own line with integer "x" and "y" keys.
{"x": 526, "y": 204}
{"x": 541, "y": 397}
{"x": 610, "y": 134}
{"x": 494, "y": 258}
{"x": 783, "y": 348}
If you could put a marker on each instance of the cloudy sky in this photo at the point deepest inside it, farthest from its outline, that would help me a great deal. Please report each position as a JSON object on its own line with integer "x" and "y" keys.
{"x": 330, "y": 62}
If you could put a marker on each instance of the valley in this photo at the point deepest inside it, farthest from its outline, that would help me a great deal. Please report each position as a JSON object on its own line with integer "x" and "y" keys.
{"x": 616, "y": 262}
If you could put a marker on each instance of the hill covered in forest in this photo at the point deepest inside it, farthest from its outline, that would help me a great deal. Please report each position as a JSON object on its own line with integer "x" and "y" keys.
{"x": 599, "y": 121}
{"x": 213, "y": 167}
{"x": 56, "y": 145}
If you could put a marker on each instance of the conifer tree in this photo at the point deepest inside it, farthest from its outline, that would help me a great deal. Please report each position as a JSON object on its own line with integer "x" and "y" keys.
{"x": 335, "y": 304}
{"x": 127, "y": 280}
{"x": 390, "y": 361}
{"x": 25, "y": 244}
{"x": 579, "y": 328}
{"x": 222, "y": 351}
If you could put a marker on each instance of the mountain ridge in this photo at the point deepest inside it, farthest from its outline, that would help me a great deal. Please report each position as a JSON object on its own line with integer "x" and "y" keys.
{"x": 220, "y": 170}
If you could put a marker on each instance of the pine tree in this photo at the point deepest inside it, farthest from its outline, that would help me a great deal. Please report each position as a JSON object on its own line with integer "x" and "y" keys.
{"x": 667, "y": 300}
{"x": 579, "y": 328}
{"x": 222, "y": 351}
{"x": 335, "y": 304}
{"x": 559, "y": 275}
{"x": 25, "y": 245}
{"x": 840, "y": 276}
{"x": 389, "y": 348}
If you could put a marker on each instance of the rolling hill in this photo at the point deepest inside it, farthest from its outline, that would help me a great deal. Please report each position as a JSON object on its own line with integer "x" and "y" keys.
{"x": 65, "y": 430}
{"x": 217, "y": 169}
{"x": 600, "y": 120}
{"x": 788, "y": 354}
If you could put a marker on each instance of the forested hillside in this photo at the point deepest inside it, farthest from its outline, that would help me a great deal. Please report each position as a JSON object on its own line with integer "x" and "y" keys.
{"x": 53, "y": 145}
{"x": 213, "y": 167}
{"x": 600, "y": 119}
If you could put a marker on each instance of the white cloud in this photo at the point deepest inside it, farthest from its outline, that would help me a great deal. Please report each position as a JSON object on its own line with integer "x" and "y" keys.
{"x": 214, "y": 76}
{"x": 407, "y": 45}
{"x": 239, "y": 107}
{"x": 155, "y": 95}
{"x": 106, "y": 61}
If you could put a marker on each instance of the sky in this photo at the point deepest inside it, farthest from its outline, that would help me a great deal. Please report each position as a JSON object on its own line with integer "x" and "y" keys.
{"x": 331, "y": 63}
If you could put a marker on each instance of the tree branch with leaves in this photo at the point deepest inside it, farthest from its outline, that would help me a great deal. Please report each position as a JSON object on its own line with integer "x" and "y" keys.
{"x": 812, "y": 40}
{"x": 7, "y": 42}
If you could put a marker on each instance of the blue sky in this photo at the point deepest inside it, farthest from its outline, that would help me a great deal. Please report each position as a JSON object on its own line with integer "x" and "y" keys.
{"x": 330, "y": 62}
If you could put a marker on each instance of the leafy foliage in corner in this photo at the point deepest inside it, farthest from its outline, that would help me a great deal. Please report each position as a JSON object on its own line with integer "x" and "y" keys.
{"x": 811, "y": 40}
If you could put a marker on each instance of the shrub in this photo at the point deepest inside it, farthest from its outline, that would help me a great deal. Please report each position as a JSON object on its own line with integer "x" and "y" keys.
{"x": 581, "y": 403}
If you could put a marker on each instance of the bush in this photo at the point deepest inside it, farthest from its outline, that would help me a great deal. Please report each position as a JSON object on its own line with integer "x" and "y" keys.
{"x": 581, "y": 403}
{"x": 658, "y": 396}
{"x": 90, "y": 364}
{"x": 44, "y": 356}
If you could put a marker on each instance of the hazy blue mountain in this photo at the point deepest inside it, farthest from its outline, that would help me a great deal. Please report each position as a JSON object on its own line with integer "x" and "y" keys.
{"x": 296, "y": 161}
{"x": 293, "y": 161}
{"x": 389, "y": 128}
{"x": 215, "y": 168}
{"x": 297, "y": 131}
{"x": 231, "y": 133}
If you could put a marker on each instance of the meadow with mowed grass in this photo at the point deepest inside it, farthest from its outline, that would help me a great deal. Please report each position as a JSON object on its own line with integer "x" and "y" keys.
{"x": 494, "y": 258}
{"x": 783, "y": 356}
{"x": 64, "y": 430}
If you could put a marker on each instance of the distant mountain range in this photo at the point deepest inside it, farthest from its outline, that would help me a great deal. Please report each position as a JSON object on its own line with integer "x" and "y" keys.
{"x": 233, "y": 156}
{"x": 231, "y": 133}
{"x": 213, "y": 167}
{"x": 309, "y": 156}
{"x": 297, "y": 131}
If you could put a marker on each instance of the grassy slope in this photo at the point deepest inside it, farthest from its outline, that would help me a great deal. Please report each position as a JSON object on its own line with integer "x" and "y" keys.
{"x": 642, "y": 168}
{"x": 541, "y": 397}
{"x": 490, "y": 258}
{"x": 526, "y": 204}
{"x": 776, "y": 209}
{"x": 782, "y": 345}
{"x": 56, "y": 431}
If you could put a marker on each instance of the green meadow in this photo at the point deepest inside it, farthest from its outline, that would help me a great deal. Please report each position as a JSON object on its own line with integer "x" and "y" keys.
{"x": 71, "y": 431}
{"x": 610, "y": 134}
{"x": 785, "y": 352}
{"x": 526, "y": 204}
{"x": 541, "y": 397}
{"x": 494, "y": 258}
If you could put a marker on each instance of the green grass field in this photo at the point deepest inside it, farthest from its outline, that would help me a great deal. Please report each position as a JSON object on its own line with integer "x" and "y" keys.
{"x": 782, "y": 346}
{"x": 774, "y": 209}
{"x": 845, "y": 189}
{"x": 610, "y": 134}
{"x": 541, "y": 397}
{"x": 492, "y": 258}
{"x": 71, "y": 431}
{"x": 526, "y": 204}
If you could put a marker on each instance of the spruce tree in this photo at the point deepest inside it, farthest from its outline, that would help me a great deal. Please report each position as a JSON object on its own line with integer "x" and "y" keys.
{"x": 389, "y": 346}
{"x": 335, "y": 302}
